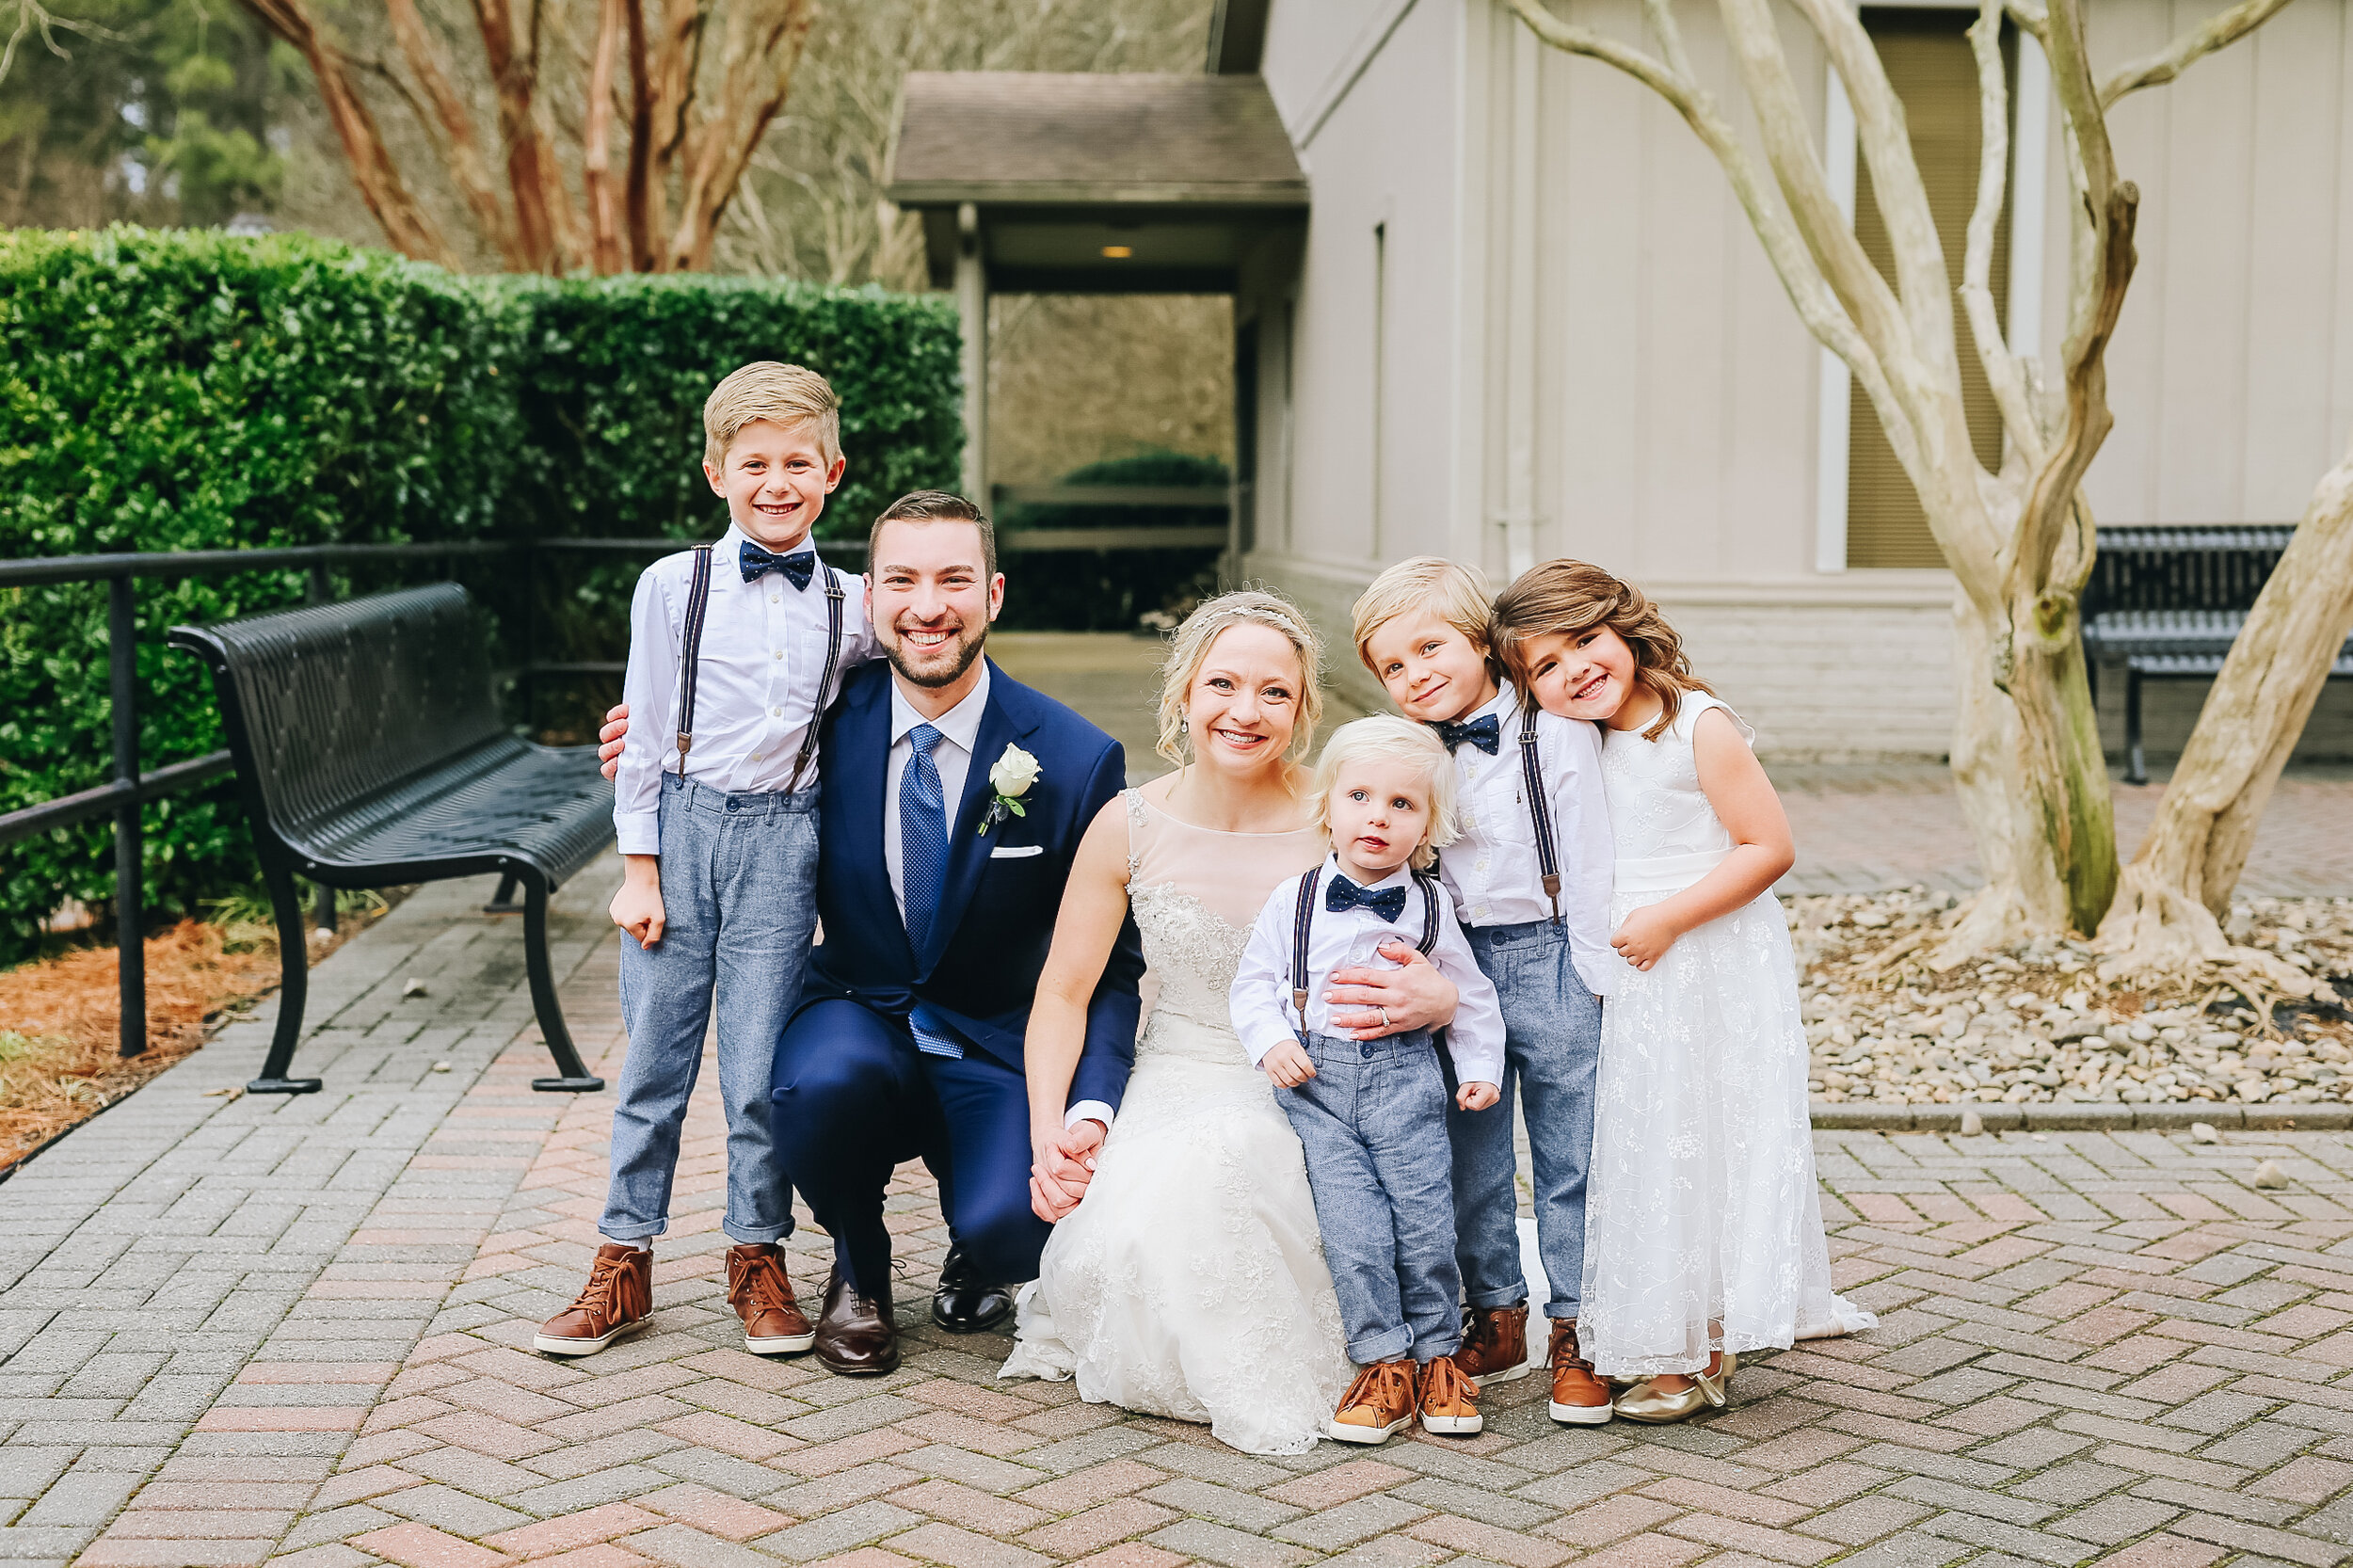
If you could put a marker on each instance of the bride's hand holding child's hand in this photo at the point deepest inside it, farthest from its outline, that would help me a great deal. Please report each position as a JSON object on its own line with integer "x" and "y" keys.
{"x": 1477, "y": 1096}
{"x": 1289, "y": 1064}
{"x": 1646, "y": 937}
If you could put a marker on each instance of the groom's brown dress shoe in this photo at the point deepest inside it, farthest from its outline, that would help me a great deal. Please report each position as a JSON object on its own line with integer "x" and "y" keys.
{"x": 964, "y": 1303}
{"x": 854, "y": 1333}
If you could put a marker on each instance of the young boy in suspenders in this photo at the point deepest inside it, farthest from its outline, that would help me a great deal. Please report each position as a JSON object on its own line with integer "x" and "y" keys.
{"x": 1530, "y": 879}
{"x": 734, "y": 651}
{"x": 1372, "y": 1115}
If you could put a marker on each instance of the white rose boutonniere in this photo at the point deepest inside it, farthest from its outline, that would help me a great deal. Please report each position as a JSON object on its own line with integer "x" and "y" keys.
{"x": 1010, "y": 777}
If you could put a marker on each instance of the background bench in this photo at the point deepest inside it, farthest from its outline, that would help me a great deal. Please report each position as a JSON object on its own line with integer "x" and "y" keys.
{"x": 2165, "y": 605}
{"x": 370, "y": 751}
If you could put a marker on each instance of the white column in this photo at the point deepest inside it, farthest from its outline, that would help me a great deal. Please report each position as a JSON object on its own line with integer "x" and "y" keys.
{"x": 972, "y": 310}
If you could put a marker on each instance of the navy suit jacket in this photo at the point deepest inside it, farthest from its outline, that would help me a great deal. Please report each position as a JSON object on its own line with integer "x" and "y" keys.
{"x": 997, "y": 911}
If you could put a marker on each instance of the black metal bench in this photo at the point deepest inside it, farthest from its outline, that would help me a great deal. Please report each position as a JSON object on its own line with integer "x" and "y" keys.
{"x": 2165, "y": 605}
{"x": 370, "y": 751}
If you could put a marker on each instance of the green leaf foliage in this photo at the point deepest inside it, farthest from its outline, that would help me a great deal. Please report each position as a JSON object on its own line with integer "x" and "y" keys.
{"x": 166, "y": 389}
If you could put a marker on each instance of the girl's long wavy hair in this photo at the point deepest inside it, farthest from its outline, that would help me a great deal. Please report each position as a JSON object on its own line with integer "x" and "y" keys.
{"x": 1570, "y": 598}
{"x": 1189, "y": 649}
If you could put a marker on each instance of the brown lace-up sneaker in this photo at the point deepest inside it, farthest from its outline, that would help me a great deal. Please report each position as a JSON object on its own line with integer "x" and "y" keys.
{"x": 617, "y": 1300}
{"x": 1448, "y": 1400}
{"x": 774, "y": 1324}
{"x": 1578, "y": 1398}
{"x": 1378, "y": 1403}
{"x": 1494, "y": 1344}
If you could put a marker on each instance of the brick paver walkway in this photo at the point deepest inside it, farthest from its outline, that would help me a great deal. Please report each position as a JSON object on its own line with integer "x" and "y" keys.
{"x": 237, "y": 1330}
{"x": 297, "y": 1331}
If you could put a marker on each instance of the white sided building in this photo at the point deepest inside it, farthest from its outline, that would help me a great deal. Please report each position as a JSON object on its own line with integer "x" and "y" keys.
{"x": 1498, "y": 303}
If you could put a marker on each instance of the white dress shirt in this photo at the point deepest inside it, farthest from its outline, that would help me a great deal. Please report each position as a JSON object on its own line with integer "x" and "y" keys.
{"x": 959, "y": 727}
{"x": 763, "y": 649}
{"x": 1261, "y": 999}
{"x": 1492, "y": 871}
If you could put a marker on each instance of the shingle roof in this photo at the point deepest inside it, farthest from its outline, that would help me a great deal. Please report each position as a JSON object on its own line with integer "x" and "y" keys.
{"x": 1032, "y": 137}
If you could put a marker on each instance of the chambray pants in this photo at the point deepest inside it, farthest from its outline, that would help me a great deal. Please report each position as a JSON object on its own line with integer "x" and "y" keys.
{"x": 739, "y": 903}
{"x": 1372, "y": 1122}
{"x": 1551, "y": 1047}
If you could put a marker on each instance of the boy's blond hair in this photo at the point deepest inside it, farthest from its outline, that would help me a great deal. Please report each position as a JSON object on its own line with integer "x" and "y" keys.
{"x": 1457, "y": 593}
{"x": 1388, "y": 738}
{"x": 780, "y": 394}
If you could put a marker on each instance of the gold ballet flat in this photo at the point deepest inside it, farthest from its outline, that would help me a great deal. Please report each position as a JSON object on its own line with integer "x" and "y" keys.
{"x": 1646, "y": 1403}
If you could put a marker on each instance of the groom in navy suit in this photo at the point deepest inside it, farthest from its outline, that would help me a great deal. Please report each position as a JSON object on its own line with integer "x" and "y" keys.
{"x": 954, "y": 799}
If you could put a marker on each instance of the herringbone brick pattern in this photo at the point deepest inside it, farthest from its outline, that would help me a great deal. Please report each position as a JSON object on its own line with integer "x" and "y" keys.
{"x": 2093, "y": 1347}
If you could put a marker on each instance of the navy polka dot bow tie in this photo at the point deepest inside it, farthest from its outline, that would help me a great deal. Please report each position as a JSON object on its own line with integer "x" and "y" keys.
{"x": 1485, "y": 732}
{"x": 798, "y": 566}
{"x": 1340, "y": 895}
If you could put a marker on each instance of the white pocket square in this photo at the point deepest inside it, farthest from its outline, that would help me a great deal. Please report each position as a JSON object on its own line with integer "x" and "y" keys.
{"x": 1015, "y": 852}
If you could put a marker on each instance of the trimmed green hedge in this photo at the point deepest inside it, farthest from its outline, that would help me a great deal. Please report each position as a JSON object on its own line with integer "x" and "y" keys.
{"x": 185, "y": 391}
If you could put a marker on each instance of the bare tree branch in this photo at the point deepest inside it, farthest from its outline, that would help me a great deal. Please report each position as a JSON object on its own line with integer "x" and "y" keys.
{"x": 31, "y": 17}
{"x": 2019, "y": 417}
{"x": 2217, "y": 32}
{"x": 452, "y": 127}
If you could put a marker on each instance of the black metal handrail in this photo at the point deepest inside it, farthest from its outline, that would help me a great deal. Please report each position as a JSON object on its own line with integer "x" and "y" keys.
{"x": 131, "y": 788}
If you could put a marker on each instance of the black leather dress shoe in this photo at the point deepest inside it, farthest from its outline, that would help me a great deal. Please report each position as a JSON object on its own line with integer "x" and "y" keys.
{"x": 965, "y": 1303}
{"x": 854, "y": 1333}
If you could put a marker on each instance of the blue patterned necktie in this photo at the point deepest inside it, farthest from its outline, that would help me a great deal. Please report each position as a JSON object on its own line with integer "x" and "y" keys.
{"x": 1340, "y": 895}
{"x": 798, "y": 568}
{"x": 1485, "y": 732}
{"x": 922, "y": 866}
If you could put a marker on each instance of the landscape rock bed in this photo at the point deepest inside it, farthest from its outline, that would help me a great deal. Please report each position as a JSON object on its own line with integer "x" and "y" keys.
{"x": 2038, "y": 1026}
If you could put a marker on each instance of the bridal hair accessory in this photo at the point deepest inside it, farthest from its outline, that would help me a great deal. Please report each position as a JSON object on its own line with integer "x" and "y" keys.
{"x": 1010, "y": 777}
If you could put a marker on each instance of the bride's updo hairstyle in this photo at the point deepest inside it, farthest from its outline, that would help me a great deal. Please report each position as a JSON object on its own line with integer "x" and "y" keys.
{"x": 1189, "y": 649}
{"x": 1571, "y": 597}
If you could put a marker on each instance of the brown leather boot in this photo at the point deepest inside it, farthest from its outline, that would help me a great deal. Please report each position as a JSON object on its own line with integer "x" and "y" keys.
{"x": 762, "y": 1297}
{"x": 1578, "y": 1398}
{"x": 855, "y": 1336}
{"x": 1380, "y": 1402}
{"x": 1494, "y": 1344}
{"x": 1449, "y": 1399}
{"x": 617, "y": 1300}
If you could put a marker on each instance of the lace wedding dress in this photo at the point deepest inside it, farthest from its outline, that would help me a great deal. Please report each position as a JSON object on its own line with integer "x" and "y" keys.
{"x": 1190, "y": 1282}
{"x": 1704, "y": 1225}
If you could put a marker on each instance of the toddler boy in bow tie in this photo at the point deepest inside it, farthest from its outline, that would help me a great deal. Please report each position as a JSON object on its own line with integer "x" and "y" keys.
{"x": 734, "y": 651}
{"x": 1529, "y": 878}
{"x": 1372, "y": 1115}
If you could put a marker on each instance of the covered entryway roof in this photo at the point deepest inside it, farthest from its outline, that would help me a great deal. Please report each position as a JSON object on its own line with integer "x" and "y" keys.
{"x": 1036, "y": 183}
{"x": 1095, "y": 182}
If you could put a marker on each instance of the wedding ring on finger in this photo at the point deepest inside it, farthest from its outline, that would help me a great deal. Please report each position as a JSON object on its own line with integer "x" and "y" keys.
{"x": 1385, "y": 1025}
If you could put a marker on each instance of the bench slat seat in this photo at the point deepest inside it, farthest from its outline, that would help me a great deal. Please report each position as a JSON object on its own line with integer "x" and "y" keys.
{"x": 2167, "y": 603}
{"x": 370, "y": 750}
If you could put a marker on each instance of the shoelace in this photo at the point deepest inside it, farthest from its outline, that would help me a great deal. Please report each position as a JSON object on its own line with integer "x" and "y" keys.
{"x": 1445, "y": 1383}
{"x": 762, "y": 1280}
{"x": 1384, "y": 1386}
{"x": 1564, "y": 1356}
{"x": 596, "y": 1297}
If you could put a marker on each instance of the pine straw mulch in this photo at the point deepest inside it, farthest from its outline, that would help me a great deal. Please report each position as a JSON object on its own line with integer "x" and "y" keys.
{"x": 60, "y": 1064}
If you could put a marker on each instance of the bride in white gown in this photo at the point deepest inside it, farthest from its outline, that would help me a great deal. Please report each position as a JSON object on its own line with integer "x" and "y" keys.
{"x": 1189, "y": 1281}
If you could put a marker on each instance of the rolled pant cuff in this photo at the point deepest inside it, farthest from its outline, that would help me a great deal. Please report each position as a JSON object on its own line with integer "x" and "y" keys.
{"x": 745, "y": 1236}
{"x": 634, "y": 1230}
{"x": 1486, "y": 1298}
{"x": 1388, "y": 1345}
{"x": 1563, "y": 1314}
{"x": 1425, "y": 1354}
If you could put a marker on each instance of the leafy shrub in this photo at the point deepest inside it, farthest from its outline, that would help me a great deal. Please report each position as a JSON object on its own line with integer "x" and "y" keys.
{"x": 188, "y": 391}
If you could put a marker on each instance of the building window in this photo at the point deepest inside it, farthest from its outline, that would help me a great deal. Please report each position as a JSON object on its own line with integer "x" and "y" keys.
{"x": 1927, "y": 60}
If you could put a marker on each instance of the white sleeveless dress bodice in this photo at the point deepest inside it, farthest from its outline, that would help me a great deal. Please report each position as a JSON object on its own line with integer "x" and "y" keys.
{"x": 1703, "y": 1224}
{"x": 1190, "y": 1282}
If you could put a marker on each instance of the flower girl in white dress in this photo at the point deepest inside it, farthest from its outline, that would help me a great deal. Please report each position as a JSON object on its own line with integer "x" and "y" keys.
{"x": 1704, "y": 1227}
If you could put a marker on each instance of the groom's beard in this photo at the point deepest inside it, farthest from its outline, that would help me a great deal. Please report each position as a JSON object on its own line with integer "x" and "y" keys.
{"x": 943, "y": 666}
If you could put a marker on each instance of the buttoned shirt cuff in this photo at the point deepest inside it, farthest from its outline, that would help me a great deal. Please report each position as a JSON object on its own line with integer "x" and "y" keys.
{"x": 638, "y": 832}
{"x": 1088, "y": 1110}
